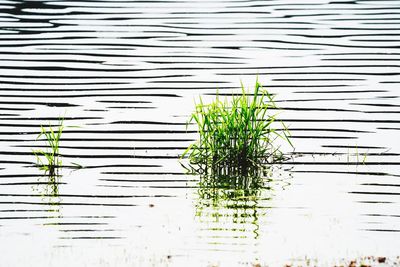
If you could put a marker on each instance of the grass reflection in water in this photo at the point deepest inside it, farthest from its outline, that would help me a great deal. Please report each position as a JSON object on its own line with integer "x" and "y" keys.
{"x": 48, "y": 189}
{"x": 228, "y": 203}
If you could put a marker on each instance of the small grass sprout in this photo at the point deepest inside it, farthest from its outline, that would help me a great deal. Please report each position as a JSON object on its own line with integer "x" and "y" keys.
{"x": 49, "y": 159}
{"x": 359, "y": 157}
{"x": 237, "y": 137}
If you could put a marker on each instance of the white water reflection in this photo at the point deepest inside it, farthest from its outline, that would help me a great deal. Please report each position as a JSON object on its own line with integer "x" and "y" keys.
{"x": 313, "y": 217}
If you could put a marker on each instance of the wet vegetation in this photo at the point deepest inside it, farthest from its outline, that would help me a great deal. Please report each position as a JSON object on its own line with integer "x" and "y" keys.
{"x": 238, "y": 138}
{"x": 235, "y": 155}
{"x": 49, "y": 159}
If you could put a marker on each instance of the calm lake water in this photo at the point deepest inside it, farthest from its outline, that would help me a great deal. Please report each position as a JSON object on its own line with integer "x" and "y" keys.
{"x": 125, "y": 75}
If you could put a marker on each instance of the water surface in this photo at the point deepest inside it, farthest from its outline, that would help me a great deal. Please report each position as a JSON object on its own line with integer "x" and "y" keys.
{"x": 125, "y": 74}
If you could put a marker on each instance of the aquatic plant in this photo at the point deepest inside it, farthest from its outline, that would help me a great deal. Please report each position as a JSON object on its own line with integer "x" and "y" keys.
{"x": 357, "y": 156}
{"x": 237, "y": 138}
{"x": 49, "y": 159}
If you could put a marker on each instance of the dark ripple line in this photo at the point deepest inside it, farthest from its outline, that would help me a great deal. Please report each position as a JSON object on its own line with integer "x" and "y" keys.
{"x": 23, "y": 175}
{"x": 386, "y": 163}
{"x": 15, "y": 162}
{"x": 119, "y": 56}
{"x": 123, "y": 166}
{"x": 161, "y": 187}
{"x": 383, "y": 154}
{"x": 362, "y": 8}
{"x": 322, "y": 137}
{"x": 148, "y": 122}
{"x": 109, "y": 132}
{"x": 49, "y": 104}
{"x": 340, "y": 92}
{"x": 51, "y": 118}
{"x": 32, "y": 183}
{"x": 343, "y": 35}
{"x": 64, "y": 204}
{"x": 55, "y": 90}
{"x": 375, "y": 202}
{"x": 342, "y": 120}
{"x": 66, "y": 56}
{"x": 20, "y": 109}
{"x": 80, "y": 223}
{"x": 352, "y": 146}
{"x": 77, "y": 96}
{"x": 94, "y": 89}
{"x": 54, "y": 69}
{"x": 93, "y": 237}
{"x": 313, "y": 73}
{"x": 326, "y": 99}
{"x": 374, "y": 193}
{"x": 382, "y": 230}
{"x": 385, "y": 185}
{"x": 60, "y": 77}
{"x": 78, "y": 196}
{"x": 359, "y": 54}
{"x": 360, "y": 59}
{"x": 124, "y": 101}
{"x": 27, "y": 218}
{"x": 51, "y": 217}
{"x": 105, "y": 139}
{"x": 364, "y": 29}
{"x": 89, "y": 230}
{"x": 109, "y": 148}
{"x": 150, "y": 173}
{"x": 347, "y": 172}
{"x": 381, "y": 215}
{"x": 27, "y": 210}
{"x": 327, "y": 130}
{"x": 388, "y": 128}
{"x": 315, "y": 79}
{"x": 98, "y": 156}
{"x": 147, "y": 180}
{"x": 129, "y": 107}
{"x": 376, "y": 104}
{"x": 9, "y": 114}
{"x": 326, "y": 44}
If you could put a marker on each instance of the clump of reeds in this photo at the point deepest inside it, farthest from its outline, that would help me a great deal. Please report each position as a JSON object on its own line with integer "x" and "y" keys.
{"x": 237, "y": 137}
{"x": 49, "y": 159}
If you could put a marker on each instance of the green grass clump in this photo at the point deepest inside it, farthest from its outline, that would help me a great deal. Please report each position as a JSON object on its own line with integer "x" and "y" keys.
{"x": 237, "y": 138}
{"x": 49, "y": 159}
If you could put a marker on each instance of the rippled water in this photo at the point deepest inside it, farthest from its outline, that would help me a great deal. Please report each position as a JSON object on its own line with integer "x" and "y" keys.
{"x": 125, "y": 74}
